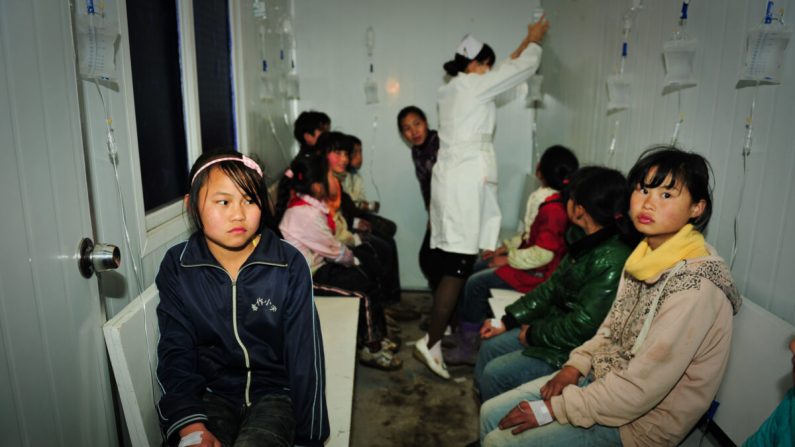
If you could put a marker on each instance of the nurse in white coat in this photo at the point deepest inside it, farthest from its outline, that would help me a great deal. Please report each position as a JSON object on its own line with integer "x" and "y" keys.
{"x": 465, "y": 215}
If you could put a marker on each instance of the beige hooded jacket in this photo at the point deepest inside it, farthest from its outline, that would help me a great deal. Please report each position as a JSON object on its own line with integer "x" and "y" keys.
{"x": 655, "y": 390}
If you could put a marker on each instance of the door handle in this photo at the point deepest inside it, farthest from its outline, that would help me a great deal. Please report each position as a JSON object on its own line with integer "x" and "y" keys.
{"x": 97, "y": 257}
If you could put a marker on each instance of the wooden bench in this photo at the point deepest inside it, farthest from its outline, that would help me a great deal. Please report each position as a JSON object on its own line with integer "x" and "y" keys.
{"x": 132, "y": 347}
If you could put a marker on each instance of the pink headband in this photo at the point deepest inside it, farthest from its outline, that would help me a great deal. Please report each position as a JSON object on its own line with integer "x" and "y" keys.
{"x": 249, "y": 163}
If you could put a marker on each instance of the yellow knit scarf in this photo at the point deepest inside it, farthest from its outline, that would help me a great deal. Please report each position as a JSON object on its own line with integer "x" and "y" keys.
{"x": 645, "y": 263}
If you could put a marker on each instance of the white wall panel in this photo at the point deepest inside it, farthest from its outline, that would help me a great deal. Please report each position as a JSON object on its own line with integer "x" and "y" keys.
{"x": 586, "y": 39}
{"x": 413, "y": 39}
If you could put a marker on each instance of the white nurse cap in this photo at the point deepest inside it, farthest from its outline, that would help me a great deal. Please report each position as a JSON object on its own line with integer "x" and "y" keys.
{"x": 469, "y": 47}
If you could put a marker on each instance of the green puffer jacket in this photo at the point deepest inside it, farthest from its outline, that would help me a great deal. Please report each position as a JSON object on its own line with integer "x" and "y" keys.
{"x": 567, "y": 309}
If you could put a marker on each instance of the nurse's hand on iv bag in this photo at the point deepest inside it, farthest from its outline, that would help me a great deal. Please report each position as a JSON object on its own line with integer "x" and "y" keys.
{"x": 537, "y": 30}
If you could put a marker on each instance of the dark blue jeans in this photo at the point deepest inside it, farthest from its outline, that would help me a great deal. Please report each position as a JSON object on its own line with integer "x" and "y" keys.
{"x": 270, "y": 421}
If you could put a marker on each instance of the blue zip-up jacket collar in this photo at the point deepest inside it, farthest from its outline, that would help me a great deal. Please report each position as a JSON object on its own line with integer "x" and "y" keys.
{"x": 242, "y": 339}
{"x": 269, "y": 251}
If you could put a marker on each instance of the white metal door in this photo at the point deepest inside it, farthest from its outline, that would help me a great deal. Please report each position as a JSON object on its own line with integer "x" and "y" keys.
{"x": 54, "y": 378}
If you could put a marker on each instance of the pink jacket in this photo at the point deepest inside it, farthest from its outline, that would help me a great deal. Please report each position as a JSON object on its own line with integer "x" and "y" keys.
{"x": 305, "y": 224}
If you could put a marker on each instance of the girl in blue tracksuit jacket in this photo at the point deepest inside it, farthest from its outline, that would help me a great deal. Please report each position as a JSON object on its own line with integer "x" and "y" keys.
{"x": 240, "y": 356}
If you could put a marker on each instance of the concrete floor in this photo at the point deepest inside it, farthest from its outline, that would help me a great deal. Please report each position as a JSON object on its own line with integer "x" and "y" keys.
{"x": 413, "y": 407}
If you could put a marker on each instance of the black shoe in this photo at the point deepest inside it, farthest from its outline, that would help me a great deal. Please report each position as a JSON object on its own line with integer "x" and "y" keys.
{"x": 424, "y": 324}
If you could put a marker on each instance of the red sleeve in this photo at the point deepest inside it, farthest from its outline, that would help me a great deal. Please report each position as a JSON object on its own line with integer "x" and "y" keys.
{"x": 549, "y": 227}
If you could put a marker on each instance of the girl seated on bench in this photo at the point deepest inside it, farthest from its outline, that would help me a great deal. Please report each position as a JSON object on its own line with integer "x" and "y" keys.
{"x": 307, "y": 224}
{"x": 240, "y": 356}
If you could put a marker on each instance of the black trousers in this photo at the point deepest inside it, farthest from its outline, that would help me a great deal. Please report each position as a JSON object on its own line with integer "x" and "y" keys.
{"x": 269, "y": 421}
{"x": 380, "y": 261}
{"x": 337, "y": 280}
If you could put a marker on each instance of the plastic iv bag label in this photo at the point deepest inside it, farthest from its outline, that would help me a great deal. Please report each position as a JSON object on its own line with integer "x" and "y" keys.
{"x": 765, "y": 52}
{"x": 96, "y": 55}
{"x": 259, "y": 9}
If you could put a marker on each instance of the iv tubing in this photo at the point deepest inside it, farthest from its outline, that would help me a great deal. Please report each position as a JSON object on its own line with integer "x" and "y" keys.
{"x": 745, "y": 154}
{"x": 372, "y": 158}
{"x": 113, "y": 153}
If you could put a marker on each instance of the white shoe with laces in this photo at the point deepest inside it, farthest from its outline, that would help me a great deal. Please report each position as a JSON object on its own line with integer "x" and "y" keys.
{"x": 423, "y": 354}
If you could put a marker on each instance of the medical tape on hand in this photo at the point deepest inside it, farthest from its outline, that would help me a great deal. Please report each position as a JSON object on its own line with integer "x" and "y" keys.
{"x": 496, "y": 323}
{"x": 541, "y": 412}
{"x": 193, "y": 438}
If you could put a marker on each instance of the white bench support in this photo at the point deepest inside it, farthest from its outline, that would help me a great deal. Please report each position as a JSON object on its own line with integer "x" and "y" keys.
{"x": 759, "y": 372}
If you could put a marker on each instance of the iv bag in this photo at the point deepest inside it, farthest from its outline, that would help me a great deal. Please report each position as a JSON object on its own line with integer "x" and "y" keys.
{"x": 96, "y": 52}
{"x": 534, "y": 89}
{"x": 266, "y": 90}
{"x": 293, "y": 90}
{"x": 617, "y": 93}
{"x": 679, "y": 56}
{"x": 764, "y": 54}
{"x": 370, "y": 91}
{"x": 281, "y": 85}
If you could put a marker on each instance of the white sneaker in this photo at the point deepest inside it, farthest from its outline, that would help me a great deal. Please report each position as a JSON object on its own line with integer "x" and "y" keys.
{"x": 422, "y": 354}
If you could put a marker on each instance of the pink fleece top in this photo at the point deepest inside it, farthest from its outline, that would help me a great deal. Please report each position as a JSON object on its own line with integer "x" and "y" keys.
{"x": 305, "y": 224}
